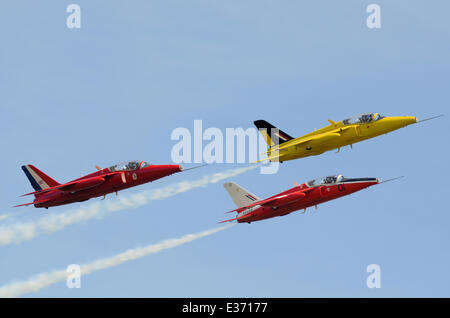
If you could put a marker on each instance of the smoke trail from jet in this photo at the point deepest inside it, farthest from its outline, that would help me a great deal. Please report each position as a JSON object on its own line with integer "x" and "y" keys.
{"x": 43, "y": 280}
{"x": 3, "y": 216}
{"x": 24, "y": 231}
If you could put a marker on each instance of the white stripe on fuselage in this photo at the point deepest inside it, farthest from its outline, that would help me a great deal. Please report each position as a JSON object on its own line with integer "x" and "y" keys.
{"x": 346, "y": 182}
{"x": 247, "y": 211}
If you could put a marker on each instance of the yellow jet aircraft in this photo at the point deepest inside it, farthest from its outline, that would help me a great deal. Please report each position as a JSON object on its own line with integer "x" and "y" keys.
{"x": 283, "y": 147}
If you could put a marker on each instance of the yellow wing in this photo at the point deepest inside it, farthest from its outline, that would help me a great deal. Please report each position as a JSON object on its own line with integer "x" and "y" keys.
{"x": 324, "y": 139}
{"x": 320, "y": 140}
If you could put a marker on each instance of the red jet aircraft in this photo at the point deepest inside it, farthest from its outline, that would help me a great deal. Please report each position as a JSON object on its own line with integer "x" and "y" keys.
{"x": 118, "y": 177}
{"x": 251, "y": 208}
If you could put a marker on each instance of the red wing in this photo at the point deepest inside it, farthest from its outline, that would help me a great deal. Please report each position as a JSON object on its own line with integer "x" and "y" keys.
{"x": 260, "y": 202}
{"x": 65, "y": 185}
{"x": 267, "y": 201}
{"x": 47, "y": 189}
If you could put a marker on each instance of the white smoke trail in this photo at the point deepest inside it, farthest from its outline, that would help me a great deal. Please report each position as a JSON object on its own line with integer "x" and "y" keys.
{"x": 3, "y": 216}
{"x": 19, "y": 232}
{"x": 43, "y": 280}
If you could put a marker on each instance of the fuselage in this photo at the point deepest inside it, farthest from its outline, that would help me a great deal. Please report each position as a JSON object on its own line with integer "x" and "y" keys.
{"x": 103, "y": 182}
{"x": 301, "y": 197}
{"x": 337, "y": 135}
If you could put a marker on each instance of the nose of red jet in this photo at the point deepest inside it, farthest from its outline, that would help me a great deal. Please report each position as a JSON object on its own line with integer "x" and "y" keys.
{"x": 369, "y": 182}
{"x": 170, "y": 169}
{"x": 356, "y": 184}
{"x": 153, "y": 172}
{"x": 177, "y": 168}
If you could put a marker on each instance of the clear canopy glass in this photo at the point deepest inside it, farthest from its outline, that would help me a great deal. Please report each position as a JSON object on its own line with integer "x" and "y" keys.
{"x": 129, "y": 165}
{"x": 362, "y": 119}
{"x": 325, "y": 180}
{"x": 358, "y": 119}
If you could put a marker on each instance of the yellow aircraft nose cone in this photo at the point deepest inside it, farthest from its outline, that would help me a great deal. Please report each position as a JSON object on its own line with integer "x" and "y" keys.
{"x": 389, "y": 124}
{"x": 410, "y": 120}
{"x": 404, "y": 121}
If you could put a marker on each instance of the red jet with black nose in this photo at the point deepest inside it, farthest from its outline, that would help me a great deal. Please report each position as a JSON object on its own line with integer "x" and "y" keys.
{"x": 302, "y": 196}
{"x": 100, "y": 183}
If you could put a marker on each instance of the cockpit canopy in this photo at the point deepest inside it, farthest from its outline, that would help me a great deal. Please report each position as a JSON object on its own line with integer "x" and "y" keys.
{"x": 362, "y": 119}
{"x": 325, "y": 180}
{"x": 129, "y": 165}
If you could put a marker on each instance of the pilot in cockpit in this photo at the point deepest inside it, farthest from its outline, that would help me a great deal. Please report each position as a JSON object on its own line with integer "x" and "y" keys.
{"x": 365, "y": 118}
{"x": 330, "y": 180}
{"x": 133, "y": 165}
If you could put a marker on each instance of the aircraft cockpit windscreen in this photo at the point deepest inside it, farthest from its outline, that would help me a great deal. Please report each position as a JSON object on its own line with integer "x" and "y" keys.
{"x": 329, "y": 180}
{"x": 144, "y": 164}
{"x": 359, "y": 119}
{"x": 125, "y": 166}
{"x": 378, "y": 117}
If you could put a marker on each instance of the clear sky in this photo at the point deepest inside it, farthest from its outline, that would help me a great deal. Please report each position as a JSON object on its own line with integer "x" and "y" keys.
{"x": 115, "y": 89}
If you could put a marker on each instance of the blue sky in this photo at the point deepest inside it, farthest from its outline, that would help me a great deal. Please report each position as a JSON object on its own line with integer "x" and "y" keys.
{"x": 116, "y": 88}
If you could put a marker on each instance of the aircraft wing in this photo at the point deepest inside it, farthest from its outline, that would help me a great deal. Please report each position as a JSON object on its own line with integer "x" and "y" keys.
{"x": 77, "y": 185}
{"x": 260, "y": 202}
{"x": 270, "y": 201}
{"x": 281, "y": 147}
{"x": 321, "y": 139}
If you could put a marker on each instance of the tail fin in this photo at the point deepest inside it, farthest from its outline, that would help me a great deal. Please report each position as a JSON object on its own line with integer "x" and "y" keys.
{"x": 38, "y": 179}
{"x": 240, "y": 196}
{"x": 271, "y": 134}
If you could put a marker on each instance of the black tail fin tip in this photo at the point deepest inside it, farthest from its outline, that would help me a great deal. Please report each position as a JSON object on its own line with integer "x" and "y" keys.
{"x": 275, "y": 133}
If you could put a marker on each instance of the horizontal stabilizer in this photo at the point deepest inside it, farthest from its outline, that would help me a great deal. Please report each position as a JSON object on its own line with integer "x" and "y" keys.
{"x": 238, "y": 218}
{"x": 35, "y": 202}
